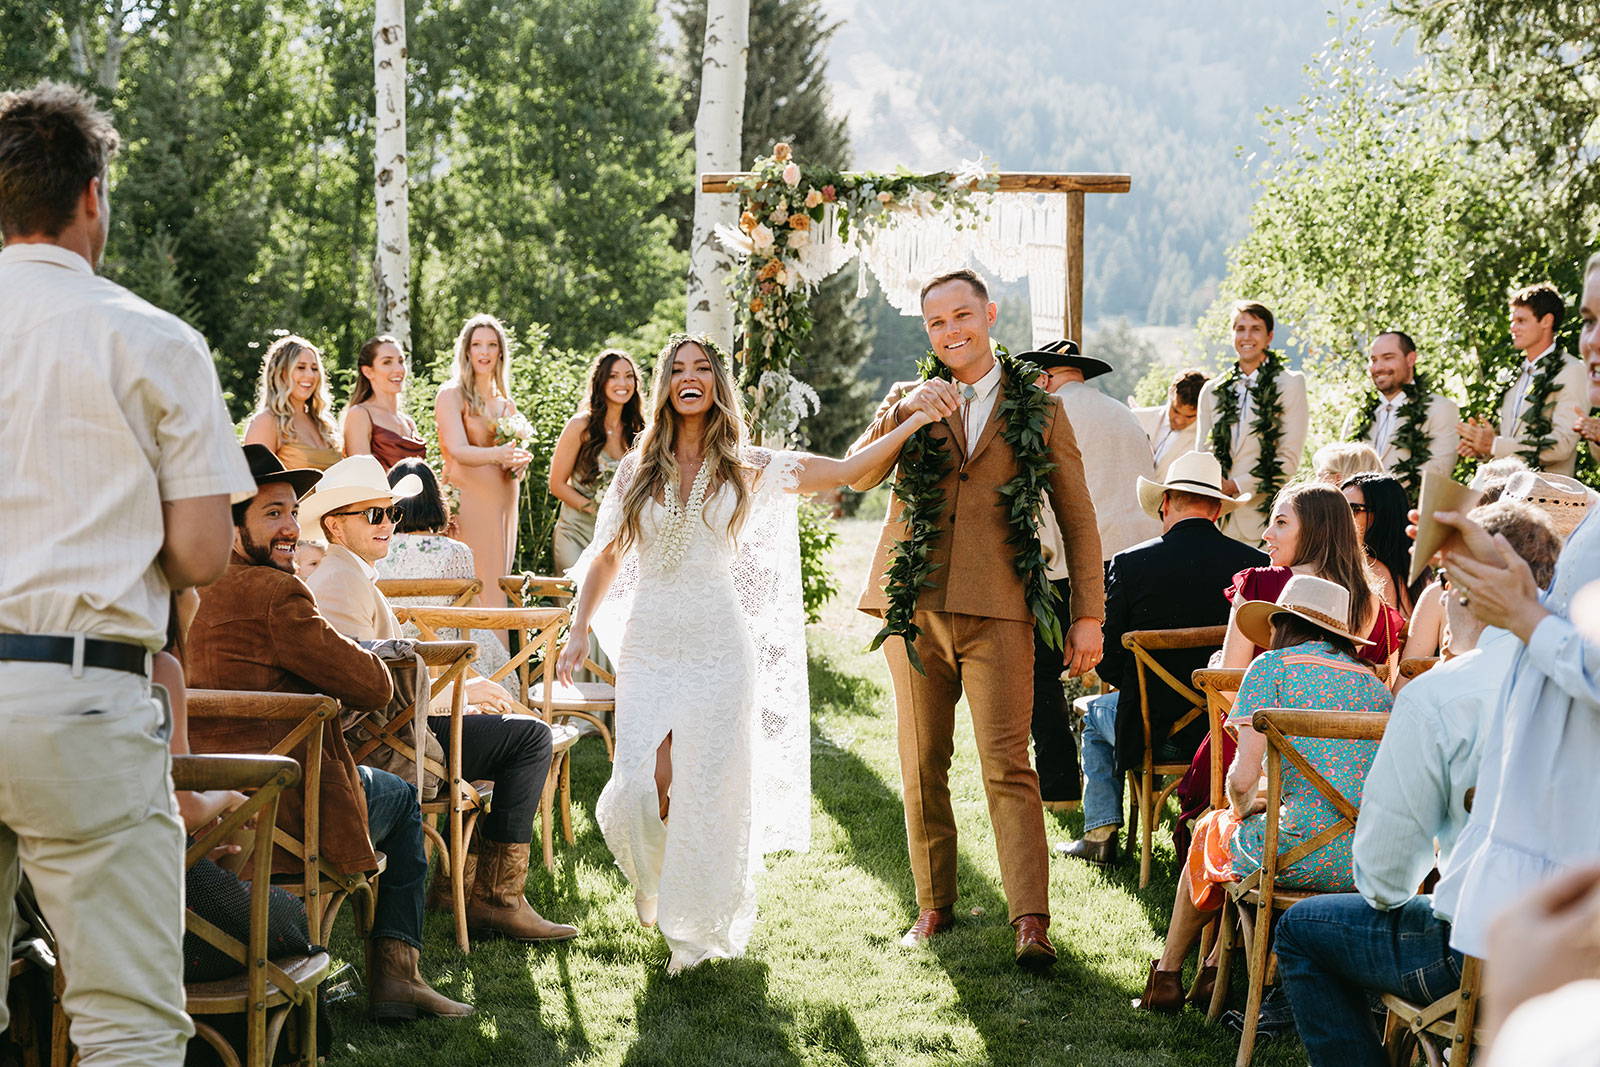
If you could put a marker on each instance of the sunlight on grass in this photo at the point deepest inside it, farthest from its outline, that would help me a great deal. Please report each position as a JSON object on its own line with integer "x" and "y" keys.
{"x": 826, "y": 982}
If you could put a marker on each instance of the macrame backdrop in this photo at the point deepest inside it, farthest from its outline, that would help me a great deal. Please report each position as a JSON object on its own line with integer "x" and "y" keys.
{"x": 1016, "y": 235}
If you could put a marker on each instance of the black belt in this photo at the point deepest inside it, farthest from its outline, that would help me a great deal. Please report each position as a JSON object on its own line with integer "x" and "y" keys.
{"x": 110, "y": 655}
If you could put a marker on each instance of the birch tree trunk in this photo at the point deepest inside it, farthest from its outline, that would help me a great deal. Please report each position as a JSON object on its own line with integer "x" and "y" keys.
{"x": 716, "y": 148}
{"x": 392, "y": 265}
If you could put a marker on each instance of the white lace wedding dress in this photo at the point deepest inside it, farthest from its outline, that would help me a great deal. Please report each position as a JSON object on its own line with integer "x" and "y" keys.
{"x": 709, "y": 648}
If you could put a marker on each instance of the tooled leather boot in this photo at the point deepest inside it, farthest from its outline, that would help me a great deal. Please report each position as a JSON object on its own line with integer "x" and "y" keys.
{"x": 497, "y": 904}
{"x": 396, "y": 989}
{"x": 439, "y": 891}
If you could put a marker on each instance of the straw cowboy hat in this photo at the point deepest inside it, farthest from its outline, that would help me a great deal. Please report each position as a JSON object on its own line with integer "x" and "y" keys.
{"x": 1318, "y": 601}
{"x": 351, "y": 481}
{"x": 1065, "y": 353}
{"x": 1564, "y": 500}
{"x": 1194, "y": 472}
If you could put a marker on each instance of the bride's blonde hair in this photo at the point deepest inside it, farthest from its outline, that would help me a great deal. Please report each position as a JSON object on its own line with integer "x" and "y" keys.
{"x": 275, "y": 392}
{"x": 724, "y": 441}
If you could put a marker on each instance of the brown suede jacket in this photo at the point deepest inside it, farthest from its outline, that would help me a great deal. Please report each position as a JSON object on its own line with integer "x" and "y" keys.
{"x": 258, "y": 629}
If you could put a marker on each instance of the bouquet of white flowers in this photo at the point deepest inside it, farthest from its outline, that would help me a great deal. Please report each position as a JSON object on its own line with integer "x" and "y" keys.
{"x": 513, "y": 429}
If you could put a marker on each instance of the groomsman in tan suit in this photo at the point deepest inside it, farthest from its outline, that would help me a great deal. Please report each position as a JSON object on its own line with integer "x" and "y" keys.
{"x": 1392, "y": 364}
{"x": 1536, "y": 313}
{"x": 1252, "y": 340}
{"x": 976, "y": 627}
{"x": 1171, "y": 427}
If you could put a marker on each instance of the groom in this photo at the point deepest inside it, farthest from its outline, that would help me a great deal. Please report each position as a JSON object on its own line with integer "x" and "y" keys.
{"x": 976, "y": 626}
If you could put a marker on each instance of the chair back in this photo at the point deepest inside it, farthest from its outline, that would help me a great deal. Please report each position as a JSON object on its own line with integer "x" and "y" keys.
{"x": 459, "y": 591}
{"x": 1220, "y": 686}
{"x": 536, "y": 630}
{"x": 1143, "y": 644}
{"x": 526, "y": 590}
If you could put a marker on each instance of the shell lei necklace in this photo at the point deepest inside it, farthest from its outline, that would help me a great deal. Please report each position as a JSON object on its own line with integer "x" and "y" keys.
{"x": 678, "y": 524}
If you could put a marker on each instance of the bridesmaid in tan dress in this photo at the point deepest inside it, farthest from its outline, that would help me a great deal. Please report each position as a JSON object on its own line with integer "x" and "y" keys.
{"x": 374, "y": 423}
{"x": 294, "y": 410}
{"x": 486, "y": 475}
{"x": 589, "y": 449}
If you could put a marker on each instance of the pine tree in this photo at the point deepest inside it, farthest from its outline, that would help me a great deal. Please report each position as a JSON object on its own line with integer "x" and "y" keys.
{"x": 787, "y": 99}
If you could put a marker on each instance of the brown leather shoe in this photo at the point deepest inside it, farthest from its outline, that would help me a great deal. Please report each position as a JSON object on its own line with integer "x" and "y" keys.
{"x": 439, "y": 892}
{"x": 497, "y": 904}
{"x": 1163, "y": 991}
{"x": 1033, "y": 944}
{"x": 1205, "y": 983}
{"x": 396, "y": 990}
{"x": 1100, "y": 853}
{"x": 929, "y": 922}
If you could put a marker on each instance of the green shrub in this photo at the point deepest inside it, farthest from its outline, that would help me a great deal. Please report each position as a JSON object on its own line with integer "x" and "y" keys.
{"x": 817, "y": 538}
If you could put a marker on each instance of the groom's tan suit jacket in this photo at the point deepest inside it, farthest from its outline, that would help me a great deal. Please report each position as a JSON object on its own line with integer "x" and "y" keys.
{"x": 977, "y": 636}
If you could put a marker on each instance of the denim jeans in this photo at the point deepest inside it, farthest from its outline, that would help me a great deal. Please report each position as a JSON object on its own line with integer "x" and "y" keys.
{"x": 394, "y": 822}
{"x": 1102, "y": 782}
{"x": 1333, "y": 949}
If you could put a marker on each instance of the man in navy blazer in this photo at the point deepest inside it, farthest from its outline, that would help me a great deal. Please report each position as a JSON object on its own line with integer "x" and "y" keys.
{"x": 1169, "y": 582}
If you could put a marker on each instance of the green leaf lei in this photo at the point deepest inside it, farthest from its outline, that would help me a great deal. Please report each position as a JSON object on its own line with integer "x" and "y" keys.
{"x": 1266, "y": 426}
{"x": 1537, "y": 409}
{"x": 1023, "y": 410}
{"x": 1411, "y": 434}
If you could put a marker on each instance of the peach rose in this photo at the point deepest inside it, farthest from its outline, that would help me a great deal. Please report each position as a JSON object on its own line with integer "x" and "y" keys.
{"x": 781, "y": 152}
{"x": 813, "y": 198}
{"x": 760, "y": 238}
{"x": 799, "y": 222}
{"x": 791, "y": 174}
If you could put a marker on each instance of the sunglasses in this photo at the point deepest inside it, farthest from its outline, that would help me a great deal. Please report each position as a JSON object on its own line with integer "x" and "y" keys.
{"x": 375, "y": 516}
{"x": 1358, "y": 509}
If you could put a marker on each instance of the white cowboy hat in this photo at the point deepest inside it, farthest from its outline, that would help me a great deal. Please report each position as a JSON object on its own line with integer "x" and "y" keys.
{"x": 1194, "y": 472}
{"x": 1564, "y": 500}
{"x": 1316, "y": 600}
{"x": 351, "y": 481}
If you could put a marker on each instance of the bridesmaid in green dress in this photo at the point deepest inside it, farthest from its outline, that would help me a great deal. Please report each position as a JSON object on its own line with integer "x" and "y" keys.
{"x": 589, "y": 449}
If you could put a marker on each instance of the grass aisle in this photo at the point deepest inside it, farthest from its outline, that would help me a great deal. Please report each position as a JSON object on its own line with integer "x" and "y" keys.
{"x": 825, "y": 982}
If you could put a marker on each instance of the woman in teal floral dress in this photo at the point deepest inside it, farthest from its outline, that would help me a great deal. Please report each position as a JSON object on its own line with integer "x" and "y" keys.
{"x": 1312, "y": 663}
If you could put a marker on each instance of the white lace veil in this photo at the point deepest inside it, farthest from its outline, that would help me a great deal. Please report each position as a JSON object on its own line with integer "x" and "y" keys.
{"x": 766, "y": 577}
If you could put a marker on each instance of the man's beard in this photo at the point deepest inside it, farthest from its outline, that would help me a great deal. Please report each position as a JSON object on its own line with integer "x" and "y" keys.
{"x": 259, "y": 554}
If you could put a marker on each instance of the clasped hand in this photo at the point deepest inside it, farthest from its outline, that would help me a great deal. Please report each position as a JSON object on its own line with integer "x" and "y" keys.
{"x": 936, "y": 398}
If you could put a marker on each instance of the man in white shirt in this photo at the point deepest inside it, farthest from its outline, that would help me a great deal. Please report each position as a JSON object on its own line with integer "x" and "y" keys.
{"x": 1536, "y": 313}
{"x": 1171, "y": 426}
{"x": 1333, "y": 949}
{"x": 120, "y": 466}
{"x": 1392, "y": 365}
{"x": 1231, "y": 406}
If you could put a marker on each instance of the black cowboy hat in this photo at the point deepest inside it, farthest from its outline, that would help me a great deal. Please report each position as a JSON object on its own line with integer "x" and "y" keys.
{"x": 1064, "y": 353}
{"x": 266, "y": 467}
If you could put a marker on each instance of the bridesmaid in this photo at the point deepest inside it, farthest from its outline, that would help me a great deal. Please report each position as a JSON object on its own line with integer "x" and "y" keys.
{"x": 486, "y": 475}
{"x": 374, "y": 423}
{"x": 589, "y": 449}
{"x": 294, "y": 410}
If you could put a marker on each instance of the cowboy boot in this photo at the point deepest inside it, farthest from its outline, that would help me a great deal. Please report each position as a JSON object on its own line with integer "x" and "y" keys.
{"x": 439, "y": 891}
{"x": 497, "y": 904}
{"x": 396, "y": 989}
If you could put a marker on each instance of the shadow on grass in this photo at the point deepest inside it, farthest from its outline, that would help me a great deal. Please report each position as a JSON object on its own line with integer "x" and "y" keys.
{"x": 717, "y": 1013}
{"x": 840, "y": 692}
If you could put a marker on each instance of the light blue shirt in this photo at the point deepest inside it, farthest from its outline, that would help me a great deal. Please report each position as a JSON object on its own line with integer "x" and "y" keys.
{"x": 1536, "y": 813}
{"x": 1416, "y": 791}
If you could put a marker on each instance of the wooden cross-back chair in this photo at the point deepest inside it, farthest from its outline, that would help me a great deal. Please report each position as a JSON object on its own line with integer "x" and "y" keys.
{"x": 1220, "y": 686}
{"x": 591, "y": 700}
{"x": 305, "y": 718}
{"x": 1447, "y": 1027}
{"x": 538, "y": 630}
{"x": 1260, "y": 888}
{"x": 459, "y": 591}
{"x": 269, "y": 993}
{"x": 1152, "y": 782}
{"x": 459, "y": 801}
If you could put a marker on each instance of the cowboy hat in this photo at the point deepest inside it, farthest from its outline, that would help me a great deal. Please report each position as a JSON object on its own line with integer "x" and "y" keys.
{"x": 1194, "y": 472}
{"x": 1320, "y": 602}
{"x": 350, "y": 481}
{"x": 1065, "y": 353}
{"x": 1564, "y": 500}
{"x": 266, "y": 467}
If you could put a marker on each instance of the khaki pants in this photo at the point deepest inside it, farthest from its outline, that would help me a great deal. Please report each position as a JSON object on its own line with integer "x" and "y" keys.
{"x": 87, "y": 812}
{"x": 992, "y": 659}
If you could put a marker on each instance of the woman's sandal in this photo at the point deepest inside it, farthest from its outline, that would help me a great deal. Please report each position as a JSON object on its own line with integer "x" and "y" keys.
{"x": 1163, "y": 991}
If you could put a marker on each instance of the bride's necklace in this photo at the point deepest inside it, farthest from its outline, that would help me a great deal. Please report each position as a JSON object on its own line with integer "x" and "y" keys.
{"x": 677, "y": 526}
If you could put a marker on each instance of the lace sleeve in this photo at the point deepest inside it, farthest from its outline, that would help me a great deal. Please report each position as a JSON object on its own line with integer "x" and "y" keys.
{"x": 612, "y": 614}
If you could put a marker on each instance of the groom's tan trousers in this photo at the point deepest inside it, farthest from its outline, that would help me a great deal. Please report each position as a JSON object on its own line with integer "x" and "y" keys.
{"x": 992, "y": 659}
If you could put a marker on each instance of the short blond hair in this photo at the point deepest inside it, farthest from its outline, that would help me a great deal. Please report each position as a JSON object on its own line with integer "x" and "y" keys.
{"x": 1336, "y": 462}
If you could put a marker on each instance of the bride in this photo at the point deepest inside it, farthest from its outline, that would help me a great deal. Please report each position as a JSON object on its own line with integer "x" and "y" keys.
{"x": 692, "y": 584}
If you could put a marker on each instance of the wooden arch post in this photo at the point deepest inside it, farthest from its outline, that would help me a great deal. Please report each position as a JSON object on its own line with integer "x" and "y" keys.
{"x": 1073, "y": 186}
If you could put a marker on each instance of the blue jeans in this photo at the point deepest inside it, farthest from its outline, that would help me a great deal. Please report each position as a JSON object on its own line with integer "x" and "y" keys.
{"x": 394, "y": 822}
{"x": 1102, "y": 782}
{"x": 1333, "y": 949}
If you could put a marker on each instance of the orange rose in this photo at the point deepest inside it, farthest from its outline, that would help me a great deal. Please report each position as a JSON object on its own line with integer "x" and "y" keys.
{"x": 747, "y": 222}
{"x": 781, "y": 152}
{"x": 799, "y": 222}
{"x": 771, "y": 270}
{"x": 756, "y": 305}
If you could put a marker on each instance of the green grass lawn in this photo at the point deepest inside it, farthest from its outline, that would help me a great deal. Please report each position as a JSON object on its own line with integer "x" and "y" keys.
{"x": 825, "y": 981}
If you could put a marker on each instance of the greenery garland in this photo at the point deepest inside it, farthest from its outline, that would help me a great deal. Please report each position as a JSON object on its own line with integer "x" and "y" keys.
{"x": 1537, "y": 409}
{"x": 1023, "y": 410}
{"x": 1411, "y": 434}
{"x": 1266, "y": 426}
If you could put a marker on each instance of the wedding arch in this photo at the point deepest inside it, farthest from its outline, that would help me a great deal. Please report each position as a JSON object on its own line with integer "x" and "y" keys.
{"x": 800, "y": 224}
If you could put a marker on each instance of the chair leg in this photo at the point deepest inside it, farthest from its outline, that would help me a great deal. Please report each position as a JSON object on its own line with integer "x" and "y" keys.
{"x": 1133, "y": 807}
{"x": 566, "y": 799}
{"x": 1258, "y": 984}
{"x": 1225, "y": 930}
{"x": 458, "y": 877}
{"x": 547, "y": 831}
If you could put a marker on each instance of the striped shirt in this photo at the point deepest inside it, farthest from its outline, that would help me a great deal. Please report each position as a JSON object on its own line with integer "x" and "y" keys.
{"x": 108, "y": 407}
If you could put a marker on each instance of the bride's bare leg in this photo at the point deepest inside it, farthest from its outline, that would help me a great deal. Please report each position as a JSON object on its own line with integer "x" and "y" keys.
{"x": 664, "y": 776}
